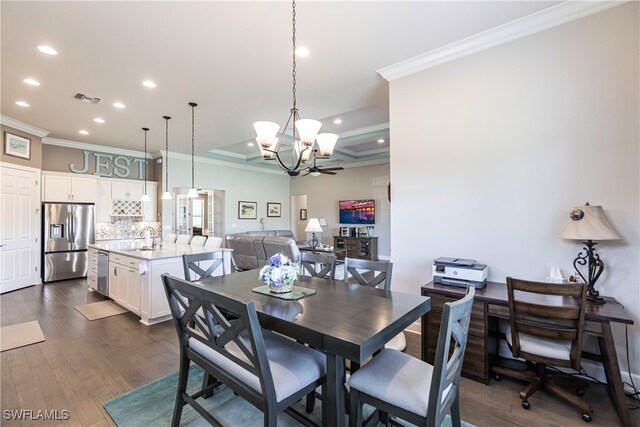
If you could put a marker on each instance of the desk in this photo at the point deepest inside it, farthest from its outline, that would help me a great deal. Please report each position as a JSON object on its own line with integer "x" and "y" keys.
{"x": 345, "y": 321}
{"x": 492, "y": 303}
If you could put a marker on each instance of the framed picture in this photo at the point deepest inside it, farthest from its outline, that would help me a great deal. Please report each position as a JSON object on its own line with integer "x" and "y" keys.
{"x": 273, "y": 209}
{"x": 17, "y": 146}
{"x": 303, "y": 214}
{"x": 247, "y": 210}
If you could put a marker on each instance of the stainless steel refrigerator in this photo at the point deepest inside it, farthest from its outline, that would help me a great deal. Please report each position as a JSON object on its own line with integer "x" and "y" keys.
{"x": 67, "y": 230}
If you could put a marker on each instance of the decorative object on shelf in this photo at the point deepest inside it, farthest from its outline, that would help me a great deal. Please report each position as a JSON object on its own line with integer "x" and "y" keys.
{"x": 273, "y": 209}
{"x": 279, "y": 273}
{"x": 313, "y": 227}
{"x": 247, "y": 210}
{"x": 145, "y": 197}
{"x": 589, "y": 223}
{"x": 303, "y": 214}
{"x": 17, "y": 146}
{"x": 304, "y": 132}
{"x": 167, "y": 194}
{"x": 193, "y": 192}
{"x": 263, "y": 221}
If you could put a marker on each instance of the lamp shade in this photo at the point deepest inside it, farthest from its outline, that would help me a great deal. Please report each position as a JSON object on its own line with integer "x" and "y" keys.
{"x": 322, "y": 222}
{"x": 266, "y": 129}
{"x": 326, "y": 143}
{"x": 313, "y": 226}
{"x": 589, "y": 223}
{"x": 145, "y": 198}
{"x": 308, "y": 129}
{"x": 267, "y": 146}
{"x": 192, "y": 194}
{"x": 263, "y": 220}
{"x": 166, "y": 196}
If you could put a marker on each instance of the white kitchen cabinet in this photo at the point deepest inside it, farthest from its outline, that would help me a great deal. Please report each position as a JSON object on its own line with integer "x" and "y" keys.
{"x": 124, "y": 282}
{"x": 92, "y": 269}
{"x": 126, "y": 190}
{"x": 66, "y": 187}
{"x": 103, "y": 200}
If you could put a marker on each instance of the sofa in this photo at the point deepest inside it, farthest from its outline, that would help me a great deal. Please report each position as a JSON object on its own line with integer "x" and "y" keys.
{"x": 252, "y": 249}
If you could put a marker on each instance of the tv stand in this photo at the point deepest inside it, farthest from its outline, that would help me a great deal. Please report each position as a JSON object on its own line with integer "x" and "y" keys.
{"x": 356, "y": 247}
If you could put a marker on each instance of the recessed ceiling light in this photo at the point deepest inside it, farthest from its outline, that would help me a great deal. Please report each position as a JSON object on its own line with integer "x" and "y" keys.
{"x": 32, "y": 82}
{"x": 380, "y": 141}
{"x": 47, "y": 49}
{"x": 337, "y": 121}
{"x": 250, "y": 144}
{"x": 148, "y": 83}
{"x": 98, "y": 120}
{"x": 22, "y": 104}
{"x": 302, "y": 52}
{"x": 118, "y": 104}
{"x": 83, "y": 132}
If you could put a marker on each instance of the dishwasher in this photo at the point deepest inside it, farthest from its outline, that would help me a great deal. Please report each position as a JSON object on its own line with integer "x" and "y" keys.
{"x": 103, "y": 273}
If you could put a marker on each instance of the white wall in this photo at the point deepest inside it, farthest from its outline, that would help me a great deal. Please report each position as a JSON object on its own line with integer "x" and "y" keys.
{"x": 239, "y": 185}
{"x": 490, "y": 153}
{"x": 324, "y": 192}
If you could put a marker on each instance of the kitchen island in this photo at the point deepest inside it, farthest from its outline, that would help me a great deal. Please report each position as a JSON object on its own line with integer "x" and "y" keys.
{"x": 134, "y": 274}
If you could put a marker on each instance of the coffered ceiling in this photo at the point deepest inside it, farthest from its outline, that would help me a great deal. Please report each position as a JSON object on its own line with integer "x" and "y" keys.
{"x": 232, "y": 58}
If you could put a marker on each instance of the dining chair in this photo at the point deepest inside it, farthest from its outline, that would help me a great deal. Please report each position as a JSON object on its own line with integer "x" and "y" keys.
{"x": 546, "y": 325}
{"x": 318, "y": 265}
{"x": 194, "y": 265}
{"x": 169, "y": 238}
{"x": 270, "y": 371}
{"x": 375, "y": 274}
{"x": 198, "y": 241}
{"x": 183, "y": 239}
{"x": 401, "y": 385}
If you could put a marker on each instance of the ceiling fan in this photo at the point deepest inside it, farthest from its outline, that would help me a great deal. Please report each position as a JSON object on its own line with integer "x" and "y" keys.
{"x": 316, "y": 171}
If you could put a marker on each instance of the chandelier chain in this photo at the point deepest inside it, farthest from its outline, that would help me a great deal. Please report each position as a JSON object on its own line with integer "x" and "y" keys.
{"x": 293, "y": 53}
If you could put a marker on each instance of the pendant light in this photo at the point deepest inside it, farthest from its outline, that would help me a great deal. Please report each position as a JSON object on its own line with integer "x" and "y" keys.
{"x": 193, "y": 193}
{"x": 304, "y": 131}
{"x": 145, "y": 197}
{"x": 166, "y": 195}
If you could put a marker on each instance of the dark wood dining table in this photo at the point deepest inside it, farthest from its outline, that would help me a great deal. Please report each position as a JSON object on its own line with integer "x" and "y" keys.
{"x": 344, "y": 321}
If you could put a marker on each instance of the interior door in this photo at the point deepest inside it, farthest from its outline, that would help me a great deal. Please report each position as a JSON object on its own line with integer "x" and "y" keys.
{"x": 183, "y": 217}
{"x": 19, "y": 227}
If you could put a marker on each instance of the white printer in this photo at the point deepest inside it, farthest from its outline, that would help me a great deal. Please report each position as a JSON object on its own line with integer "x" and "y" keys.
{"x": 459, "y": 272}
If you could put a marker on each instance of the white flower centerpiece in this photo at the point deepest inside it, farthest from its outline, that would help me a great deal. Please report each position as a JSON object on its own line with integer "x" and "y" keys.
{"x": 279, "y": 273}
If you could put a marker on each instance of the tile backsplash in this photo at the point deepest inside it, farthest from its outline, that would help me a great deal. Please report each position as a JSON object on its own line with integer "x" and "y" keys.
{"x": 123, "y": 228}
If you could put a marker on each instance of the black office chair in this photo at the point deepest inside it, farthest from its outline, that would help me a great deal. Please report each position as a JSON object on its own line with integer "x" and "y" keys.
{"x": 546, "y": 324}
{"x": 270, "y": 371}
{"x": 311, "y": 264}
{"x": 404, "y": 386}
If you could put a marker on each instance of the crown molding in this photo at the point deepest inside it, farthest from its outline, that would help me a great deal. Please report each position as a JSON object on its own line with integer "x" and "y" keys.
{"x": 24, "y": 127}
{"x": 217, "y": 162}
{"x": 94, "y": 147}
{"x": 539, "y": 21}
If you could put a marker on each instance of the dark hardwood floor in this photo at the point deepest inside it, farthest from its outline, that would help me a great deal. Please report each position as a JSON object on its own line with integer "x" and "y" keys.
{"x": 83, "y": 364}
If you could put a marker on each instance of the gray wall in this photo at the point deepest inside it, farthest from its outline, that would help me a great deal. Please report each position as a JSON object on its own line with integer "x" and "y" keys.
{"x": 491, "y": 152}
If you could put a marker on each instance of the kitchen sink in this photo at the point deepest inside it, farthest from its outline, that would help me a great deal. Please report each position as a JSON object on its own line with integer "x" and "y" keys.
{"x": 142, "y": 249}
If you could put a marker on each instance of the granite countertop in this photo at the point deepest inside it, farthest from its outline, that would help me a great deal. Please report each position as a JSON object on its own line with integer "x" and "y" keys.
{"x": 164, "y": 251}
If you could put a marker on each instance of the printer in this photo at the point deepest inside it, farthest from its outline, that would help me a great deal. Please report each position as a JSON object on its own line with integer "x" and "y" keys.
{"x": 459, "y": 272}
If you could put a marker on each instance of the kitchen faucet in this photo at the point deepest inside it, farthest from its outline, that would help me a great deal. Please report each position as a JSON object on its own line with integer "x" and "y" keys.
{"x": 153, "y": 235}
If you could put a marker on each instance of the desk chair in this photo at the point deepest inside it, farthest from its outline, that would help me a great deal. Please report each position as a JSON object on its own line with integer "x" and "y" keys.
{"x": 546, "y": 324}
{"x": 309, "y": 261}
{"x": 269, "y": 371}
{"x": 375, "y": 274}
{"x": 401, "y": 385}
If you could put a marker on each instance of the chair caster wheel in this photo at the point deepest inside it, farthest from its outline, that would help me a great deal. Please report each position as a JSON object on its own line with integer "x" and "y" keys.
{"x": 586, "y": 417}
{"x": 525, "y": 404}
{"x": 497, "y": 377}
{"x": 580, "y": 391}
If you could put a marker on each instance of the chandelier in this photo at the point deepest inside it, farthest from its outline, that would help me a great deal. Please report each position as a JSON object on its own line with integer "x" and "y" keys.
{"x": 304, "y": 131}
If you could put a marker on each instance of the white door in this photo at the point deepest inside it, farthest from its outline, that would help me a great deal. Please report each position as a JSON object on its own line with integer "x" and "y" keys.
{"x": 19, "y": 227}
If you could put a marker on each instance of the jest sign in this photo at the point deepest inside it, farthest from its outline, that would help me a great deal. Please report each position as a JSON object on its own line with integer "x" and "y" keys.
{"x": 109, "y": 165}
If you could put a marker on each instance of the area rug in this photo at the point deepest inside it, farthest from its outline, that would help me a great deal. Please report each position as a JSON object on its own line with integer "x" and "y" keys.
{"x": 100, "y": 310}
{"x": 152, "y": 405}
{"x": 19, "y": 335}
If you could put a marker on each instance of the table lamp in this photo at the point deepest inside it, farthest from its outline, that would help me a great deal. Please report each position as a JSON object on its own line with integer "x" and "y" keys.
{"x": 589, "y": 223}
{"x": 313, "y": 227}
{"x": 262, "y": 222}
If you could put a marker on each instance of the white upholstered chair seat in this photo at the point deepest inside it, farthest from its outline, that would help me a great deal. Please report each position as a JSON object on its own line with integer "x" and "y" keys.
{"x": 183, "y": 239}
{"x": 396, "y": 378}
{"x": 169, "y": 238}
{"x": 198, "y": 241}
{"x": 213, "y": 242}
{"x": 293, "y": 366}
{"x": 541, "y": 346}
{"x": 399, "y": 342}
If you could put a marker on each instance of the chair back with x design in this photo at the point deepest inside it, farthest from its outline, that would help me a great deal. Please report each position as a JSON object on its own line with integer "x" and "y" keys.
{"x": 310, "y": 260}
{"x": 192, "y": 265}
{"x": 378, "y": 272}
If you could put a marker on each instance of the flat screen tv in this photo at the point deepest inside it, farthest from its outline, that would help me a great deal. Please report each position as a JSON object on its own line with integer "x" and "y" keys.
{"x": 361, "y": 212}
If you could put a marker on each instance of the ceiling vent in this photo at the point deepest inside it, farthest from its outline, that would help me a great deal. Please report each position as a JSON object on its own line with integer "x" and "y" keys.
{"x": 86, "y": 99}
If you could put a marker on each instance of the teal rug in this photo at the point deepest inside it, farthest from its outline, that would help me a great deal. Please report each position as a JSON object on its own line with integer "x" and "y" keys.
{"x": 152, "y": 406}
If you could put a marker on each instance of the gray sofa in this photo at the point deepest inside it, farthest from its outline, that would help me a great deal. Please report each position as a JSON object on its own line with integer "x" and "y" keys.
{"x": 252, "y": 249}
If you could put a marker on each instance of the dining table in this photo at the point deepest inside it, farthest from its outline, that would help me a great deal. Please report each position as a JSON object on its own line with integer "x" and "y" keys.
{"x": 344, "y": 321}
